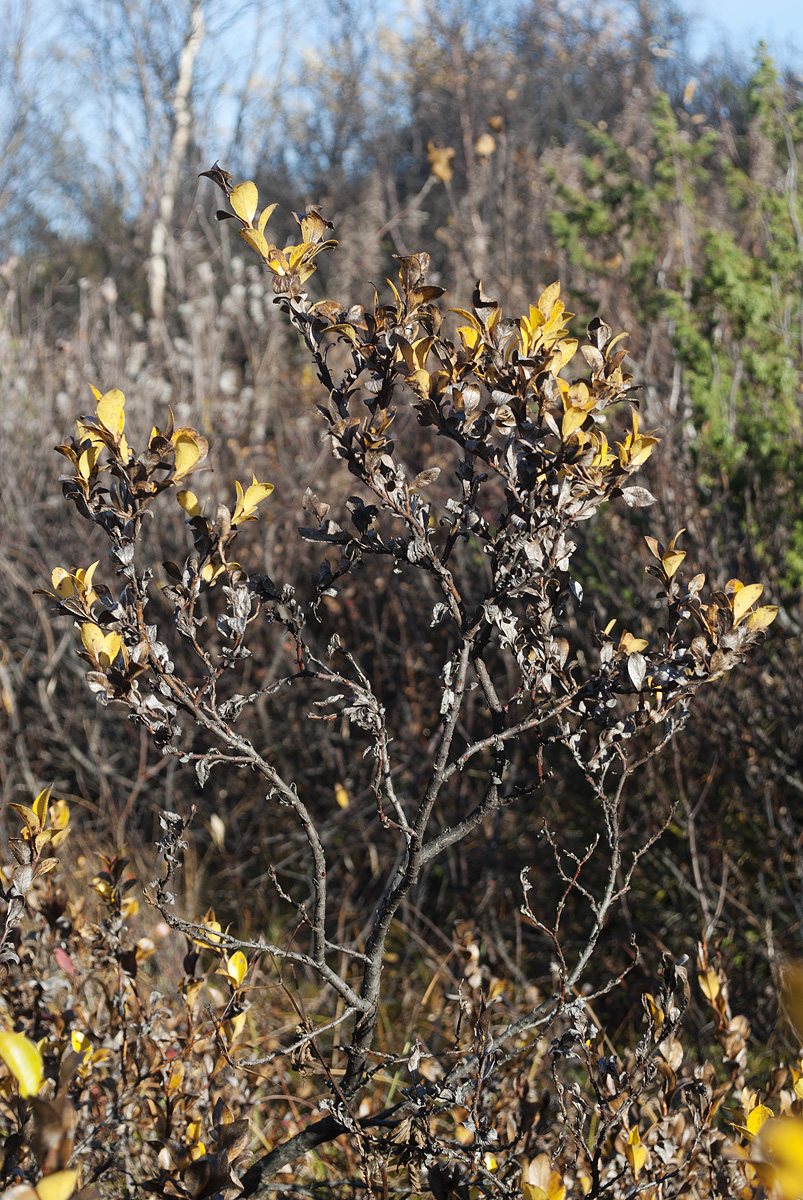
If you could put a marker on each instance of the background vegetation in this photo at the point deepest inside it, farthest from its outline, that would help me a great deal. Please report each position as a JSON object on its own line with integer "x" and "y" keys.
{"x": 518, "y": 146}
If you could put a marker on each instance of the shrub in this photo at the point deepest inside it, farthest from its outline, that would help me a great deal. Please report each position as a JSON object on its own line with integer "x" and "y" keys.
{"x": 478, "y": 1065}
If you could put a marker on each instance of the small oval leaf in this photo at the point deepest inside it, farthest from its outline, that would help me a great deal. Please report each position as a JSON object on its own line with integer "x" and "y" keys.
{"x": 23, "y": 1061}
{"x": 244, "y": 200}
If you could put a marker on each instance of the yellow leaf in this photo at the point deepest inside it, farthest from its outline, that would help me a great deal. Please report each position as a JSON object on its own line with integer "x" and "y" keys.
{"x": 485, "y": 145}
{"x": 211, "y": 928}
{"x": 59, "y": 814}
{"x": 57, "y": 1186}
{"x": 709, "y": 984}
{"x": 744, "y": 599}
{"x": 212, "y": 570}
{"x": 88, "y": 460}
{"x": 63, "y": 583}
{"x": 277, "y": 261}
{"x": 244, "y": 200}
{"x": 189, "y": 502}
{"x": 562, "y": 355}
{"x": 40, "y": 805}
{"x": 762, "y": 617}
{"x": 236, "y": 967}
{"x": 671, "y": 561}
{"x": 573, "y": 418}
{"x": 642, "y": 449}
{"x": 23, "y": 1061}
{"x": 265, "y": 217}
{"x": 58, "y": 837}
{"x": 632, "y": 645}
{"x": 635, "y": 1153}
{"x": 532, "y": 1192}
{"x": 176, "y": 1076}
{"x": 759, "y": 1115}
{"x": 546, "y": 301}
{"x": 341, "y": 795}
{"x": 83, "y": 580}
{"x": 104, "y": 648}
{"x": 81, "y": 1044}
{"x": 257, "y": 241}
{"x": 782, "y": 1144}
{"x": 110, "y": 412}
{"x": 103, "y": 888}
{"x": 28, "y": 815}
{"x": 190, "y": 448}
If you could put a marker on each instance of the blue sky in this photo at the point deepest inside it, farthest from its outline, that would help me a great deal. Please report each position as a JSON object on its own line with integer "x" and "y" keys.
{"x": 745, "y": 22}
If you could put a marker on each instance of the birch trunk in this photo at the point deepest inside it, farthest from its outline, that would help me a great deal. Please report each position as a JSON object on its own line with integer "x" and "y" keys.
{"x": 182, "y": 127}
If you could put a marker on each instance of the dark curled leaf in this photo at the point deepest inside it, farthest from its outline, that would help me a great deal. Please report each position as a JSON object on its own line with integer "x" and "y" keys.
{"x": 318, "y": 535}
{"x": 231, "y": 709}
{"x": 598, "y": 333}
{"x": 577, "y": 590}
{"x": 439, "y": 613}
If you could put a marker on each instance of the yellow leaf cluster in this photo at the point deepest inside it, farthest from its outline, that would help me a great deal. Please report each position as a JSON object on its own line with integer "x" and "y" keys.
{"x": 293, "y": 261}
{"x": 246, "y": 507}
{"x": 77, "y": 582}
{"x": 635, "y": 1153}
{"x": 440, "y": 161}
{"x": 543, "y": 328}
{"x": 742, "y": 597}
{"x": 90, "y": 1057}
{"x": 636, "y": 448}
{"x": 211, "y": 929}
{"x": 628, "y": 644}
{"x": 235, "y": 970}
{"x": 540, "y": 1182}
{"x": 44, "y": 822}
{"x": 101, "y": 647}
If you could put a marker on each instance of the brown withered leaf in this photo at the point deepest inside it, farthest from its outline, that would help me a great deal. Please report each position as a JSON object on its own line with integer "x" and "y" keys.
{"x": 425, "y": 478}
{"x": 313, "y": 224}
{"x": 233, "y": 1138}
{"x": 413, "y": 269}
{"x": 51, "y": 1139}
{"x": 209, "y": 1174}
